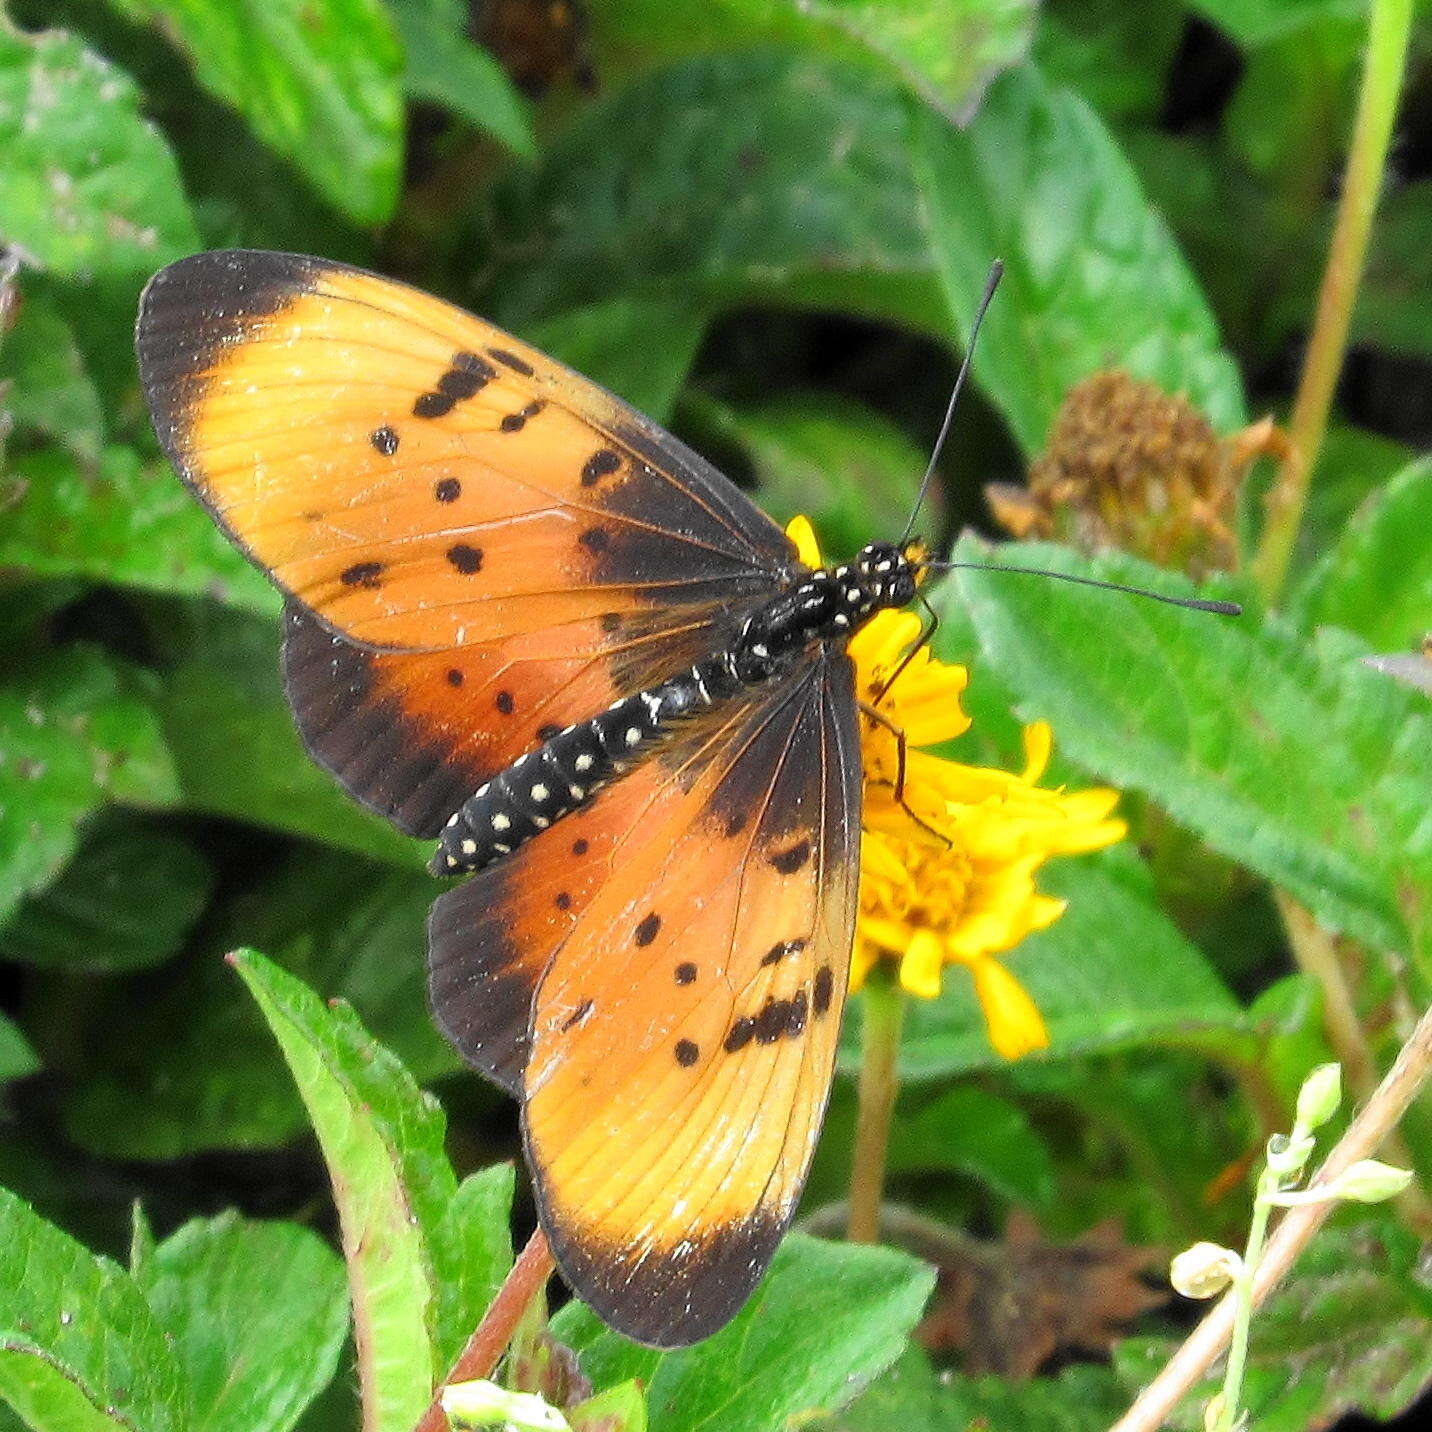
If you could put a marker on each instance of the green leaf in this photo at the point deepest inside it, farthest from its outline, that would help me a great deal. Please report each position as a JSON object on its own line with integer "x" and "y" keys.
{"x": 319, "y": 81}
{"x": 1377, "y": 580}
{"x": 775, "y": 1362}
{"x": 1347, "y": 1332}
{"x": 944, "y": 50}
{"x": 17, "y": 1058}
{"x": 88, "y": 186}
{"x": 733, "y": 178}
{"x": 1299, "y": 763}
{"x": 1256, "y": 22}
{"x": 848, "y": 469}
{"x": 1111, "y": 973}
{"x": 126, "y": 522}
{"x": 80, "y": 1350}
{"x": 71, "y": 738}
{"x": 256, "y": 1313}
{"x": 347, "y": 928}
{"x": 640, "y": 348}
{"x": 50, "y": 390}
{"x": 126, "y": 901}
{"x": 446, "y": 67}
{"x": 1353, "y": 466}
{"x": 984, "y": 1136}
{"x": 1116, "y": 55}
{"x": 913, "y": 1397}
{"x": 947, "y": 51}
{"x": 1093, "y": 278}
{"x": 235, "y": 746}
{"x": 618, "y": 1409}
{"x": 472, "y": 1254}
{"x": 382, "y": 1138}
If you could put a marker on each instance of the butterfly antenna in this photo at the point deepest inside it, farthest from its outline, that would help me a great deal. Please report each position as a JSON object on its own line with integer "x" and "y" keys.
{"x": 996, "y": 272}
{"x": 1193, "y": 604}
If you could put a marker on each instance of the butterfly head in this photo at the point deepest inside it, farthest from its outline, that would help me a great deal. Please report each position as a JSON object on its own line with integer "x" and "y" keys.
{"x": 889, "y": 572}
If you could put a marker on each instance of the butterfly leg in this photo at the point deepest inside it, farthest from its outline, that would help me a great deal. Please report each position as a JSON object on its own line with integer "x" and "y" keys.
{"x": 878, "y": 716}
{"x": 926, "y": 637}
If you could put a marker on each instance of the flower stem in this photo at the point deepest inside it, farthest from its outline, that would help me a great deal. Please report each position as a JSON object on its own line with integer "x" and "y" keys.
{"x": 1382, "y": 73}
{"x": 884, "y": 1013}
{"x": 1243, "y": 1304}
{"x": 1406, "y": 1077}
{"x": 484, "y": 1349}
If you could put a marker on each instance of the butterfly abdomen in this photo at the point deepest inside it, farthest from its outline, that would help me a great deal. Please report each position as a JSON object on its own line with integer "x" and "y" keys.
{"x": 565, "y": 772}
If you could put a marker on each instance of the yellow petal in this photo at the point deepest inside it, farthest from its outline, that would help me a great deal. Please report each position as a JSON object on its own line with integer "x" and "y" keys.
{"x": 1038, "y": 744}
{"x": 1015, "y": 1024}
{"x": 921, "y": 965}
{"x": 799, "y": 530}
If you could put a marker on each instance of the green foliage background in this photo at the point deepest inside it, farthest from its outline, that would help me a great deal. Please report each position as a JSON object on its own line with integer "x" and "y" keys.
{"x": 766, "y": 222}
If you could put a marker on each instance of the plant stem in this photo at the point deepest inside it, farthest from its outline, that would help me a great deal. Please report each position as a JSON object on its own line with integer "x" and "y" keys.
{"x": 1382, "y": 73}
{"x": 1243, "y": 1304}
{"x": 484, "y": 1349}
{"x": 884, "y": 1013}
{"x": 1366, "y": 1132}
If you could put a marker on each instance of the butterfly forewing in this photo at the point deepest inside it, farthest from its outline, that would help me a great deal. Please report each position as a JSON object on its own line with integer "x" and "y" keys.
{"x": 418, "y": 478}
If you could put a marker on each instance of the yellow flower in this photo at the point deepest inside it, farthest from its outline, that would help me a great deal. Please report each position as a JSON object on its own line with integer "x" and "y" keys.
{"x": 948, "y": 873}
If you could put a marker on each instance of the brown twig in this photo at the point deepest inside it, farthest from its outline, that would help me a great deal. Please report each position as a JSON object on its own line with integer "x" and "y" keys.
{"x": 1210, "y": 1337}
{"x": 484, "y": 1349}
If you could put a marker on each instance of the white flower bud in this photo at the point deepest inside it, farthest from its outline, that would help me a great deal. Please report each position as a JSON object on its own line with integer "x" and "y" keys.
{"x": 485, "y": 1404}
{"x": 1370, "y": 1182}
{"x": 1204, "y": 1270}
{"x": 1319, "y": 1097}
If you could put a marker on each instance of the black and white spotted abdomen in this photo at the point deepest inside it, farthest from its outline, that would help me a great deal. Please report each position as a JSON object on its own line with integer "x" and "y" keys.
{"x": 566, "y": 771}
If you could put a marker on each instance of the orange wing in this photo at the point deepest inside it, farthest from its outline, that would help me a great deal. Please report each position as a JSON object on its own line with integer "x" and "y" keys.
{"x": 688, "y": 938}
{"x": 477, "y": 526}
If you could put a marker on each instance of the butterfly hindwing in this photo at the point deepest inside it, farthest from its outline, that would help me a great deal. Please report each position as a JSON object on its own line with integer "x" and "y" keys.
{"x": 683, "y": 1034}
{"x": 413, "y": 734}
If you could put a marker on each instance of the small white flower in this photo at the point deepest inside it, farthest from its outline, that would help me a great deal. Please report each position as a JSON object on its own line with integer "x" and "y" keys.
{"x": 1204, "y": 1270}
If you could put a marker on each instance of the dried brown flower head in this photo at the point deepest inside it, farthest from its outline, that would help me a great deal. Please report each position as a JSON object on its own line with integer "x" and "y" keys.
{"x": 1128, "y": 466}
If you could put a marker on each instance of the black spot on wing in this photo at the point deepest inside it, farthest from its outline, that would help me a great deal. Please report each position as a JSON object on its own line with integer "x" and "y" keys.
{"x": 778, "y": 952}
{"x": 511, "y": 360}
{"x": 447, "y": 489}
{"x": 600, "y": 464}
{"x": 685, "y": 973}
{"x": 647, "y": 928}
{"x": 515, "y": 422}
{"x": 822, "y": 990}
{"x": 466, "y": 376}
{"x": 687, "y": 1053}
{"x": 790, "y": 859}
{"x": 367, "y": 575}
{"x": 384, "y": 439}
{"x": 465, "y": 559}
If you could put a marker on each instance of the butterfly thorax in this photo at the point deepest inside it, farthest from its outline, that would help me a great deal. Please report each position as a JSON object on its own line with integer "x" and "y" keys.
{"x": 822, "y": 606}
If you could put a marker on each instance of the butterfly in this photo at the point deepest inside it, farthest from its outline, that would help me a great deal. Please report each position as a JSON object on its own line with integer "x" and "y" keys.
{"x": 523, "y": 620}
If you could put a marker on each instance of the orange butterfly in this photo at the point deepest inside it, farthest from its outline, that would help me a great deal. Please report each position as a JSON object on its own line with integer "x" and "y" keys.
{"x": 525, "y": 620}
